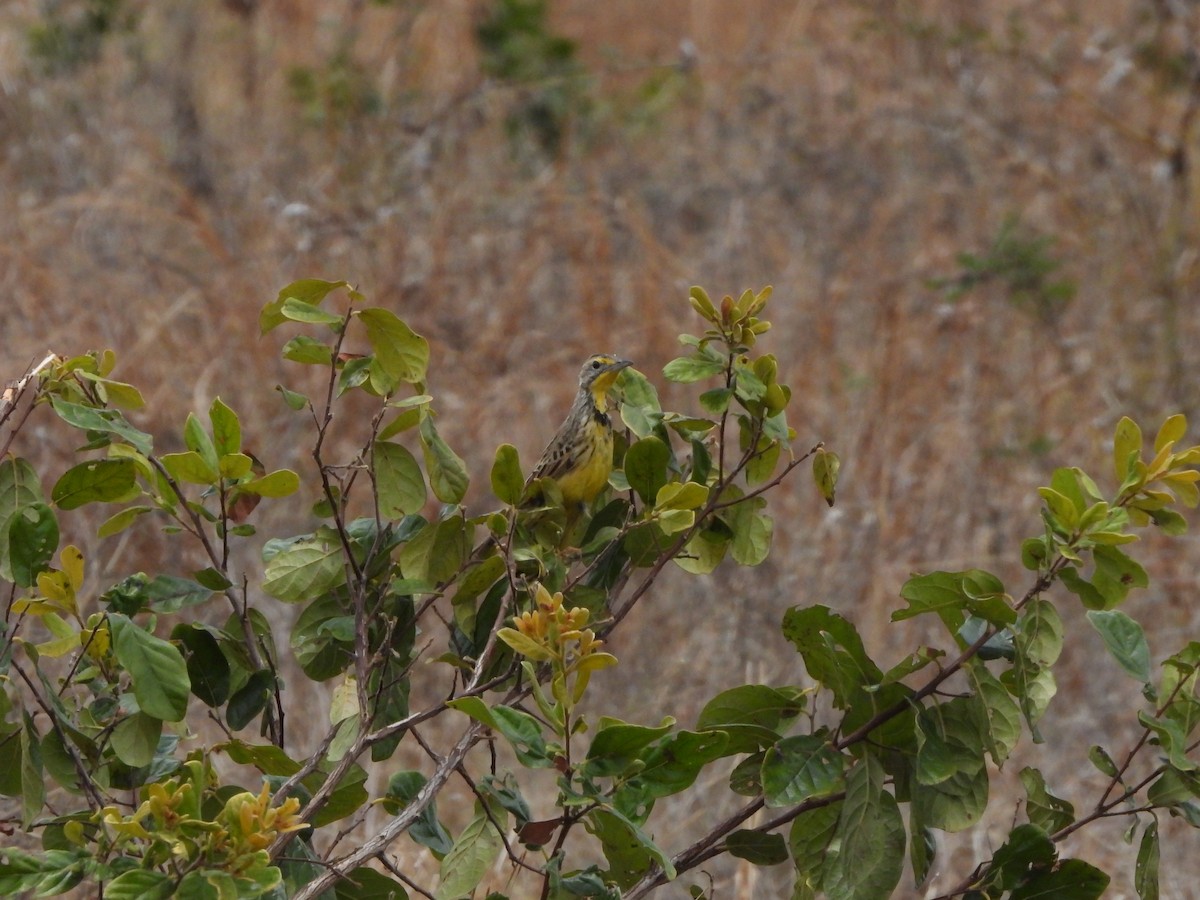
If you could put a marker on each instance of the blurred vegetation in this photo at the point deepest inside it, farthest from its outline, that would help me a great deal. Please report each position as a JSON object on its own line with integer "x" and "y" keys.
{"x": 518, "y": 47}
{"x": 1021, "y": 261}
{"x": 70, "y": 33}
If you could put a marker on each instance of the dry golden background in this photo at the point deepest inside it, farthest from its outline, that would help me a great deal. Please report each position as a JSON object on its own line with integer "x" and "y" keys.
{"x": 844, "y": 151}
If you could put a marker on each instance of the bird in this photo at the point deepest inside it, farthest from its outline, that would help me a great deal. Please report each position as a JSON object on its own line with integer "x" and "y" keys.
{"x": 580, "y": 455}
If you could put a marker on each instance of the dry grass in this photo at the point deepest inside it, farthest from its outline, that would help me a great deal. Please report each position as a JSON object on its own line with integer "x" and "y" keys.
{"x": 844, "y": 152}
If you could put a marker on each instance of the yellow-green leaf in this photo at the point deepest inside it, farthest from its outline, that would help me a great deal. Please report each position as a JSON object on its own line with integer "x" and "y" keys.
{"x": 190, "y": 467}
{"x": 279, "y": 483}
{"x": 524, "y": 645}
{"x": 507, "y": 481}
{"x": 401, "y": 352}
{"x": 447, "y": 473}
{"x": 681, "y": 495}
{"x": 673, "y": 521}
{"x": 1171, "y": 432}
{"x": 399, "y": 484}
{"x": 1127, "y": 446}
{"x": 825, "y": 468}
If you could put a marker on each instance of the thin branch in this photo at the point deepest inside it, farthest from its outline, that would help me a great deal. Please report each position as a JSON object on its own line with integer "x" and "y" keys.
{"x": 400, "y": 823}
{"x": 85, "y": 778}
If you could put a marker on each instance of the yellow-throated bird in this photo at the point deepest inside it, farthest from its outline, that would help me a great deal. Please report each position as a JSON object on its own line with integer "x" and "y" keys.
{"x": 580, "y": 455}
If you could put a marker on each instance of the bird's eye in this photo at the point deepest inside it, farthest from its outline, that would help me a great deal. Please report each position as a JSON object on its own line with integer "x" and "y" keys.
{"x": 595, "y": 363}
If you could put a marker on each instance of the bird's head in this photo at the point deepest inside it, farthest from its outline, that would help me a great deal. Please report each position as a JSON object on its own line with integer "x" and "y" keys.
{"x": 599, "y": 373}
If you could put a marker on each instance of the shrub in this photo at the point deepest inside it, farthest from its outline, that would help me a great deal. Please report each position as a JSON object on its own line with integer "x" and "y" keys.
{"x": 103, "y": 734}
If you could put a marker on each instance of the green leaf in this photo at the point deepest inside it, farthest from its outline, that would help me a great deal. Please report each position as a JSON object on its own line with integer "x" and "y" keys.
{"x": 747, "y": 385}
{"x": 949, "y": 741}
{"x": 170, "y": 593}
{"x": 307, "y": 290}
{"x": 825, "y": 468}
{"x": 619, "y": 745}
{"x": 298, "y": 311}
{"x": 759, "y": 711}
{"x": 447, "y": 474}
{"x": 96, "y": 481}
{"x": 1028, "y": 849}
{"x": 752, "y": 532}
{"x": 640, "y": 408}
{"x": 135, "y": 739}
{"x": 507, "y": 480}
{"x": 645, "y": 467}
{"x": 208, "y": 669}
{"x": 401, "y": 352}
{"x": 306, "y": 351}
{"x": 703, "y": 305}
{"x": 1071, "y": 879}
{"x": 212, "y": 579}
{"x": 198, "y": 440}
{"x": 477, "y": 579}
{"x": 1125, "y": 640}
{"x": 1000, "y": 712}
{"x": 1145, "y": 873}
{"x": 115, "y": 393}
{"x": 798, "y": 768}
{"x": 1169, "y": 735}
{"x": 33, "y": 785}
{"x": 716, "y": 401}
{"x": 227, "y": 429}
{"x": 1104, "y": 763}
{"x": 267, "y": 758}
{"x": 399, "y": 483}
{"x": 938, "y": 592}
{"x": 32, "y": 539}
{"x": 293, "y": 399}
{"x": 522, "y": 730}
{"x": 10, "y": 756}
{"x": 233, "y": 466}
{"x": 629, "y": 851}
{"x": 869, "y": 859}
{"x": 1115, "y": 575}
{"x": 703, "y": 552}
{"x": 190, "y": 467}
{"x": 19, "y": 487}
{"x": 670, "y": 766}
{"x": 681, "y": 495}
{"x": 1034, "y": 687}
{"x": 761, "y": 849}
{"x": 808, "y": 843}
{"x": 687, "y": 369}
{"x": 469, "y": 859}
{"x": 346, "y": 799}
{"x": 1046, "y": 811}
{"x": 427, "y": 831}
{"x": 954, "y": 804}
{"x": 250, "y": 700}
{"x": 762, "y": 465}
{"x": 306, "y": 569}
{"x": 832, "y": 650}
{"x": 105, "y": 421}
{"x": 365, "y": 883}
{"x": 525, "y": 645}
{"x": 1040, "y": 633}
{"x": 436, "y": 553}
{"x": 279, "y": 483}
{"x": 1172, "y": 431}
{"x": 1127, "y": 448}
{"x": 140, "y": 884}
{"x": 158, "y": 671}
